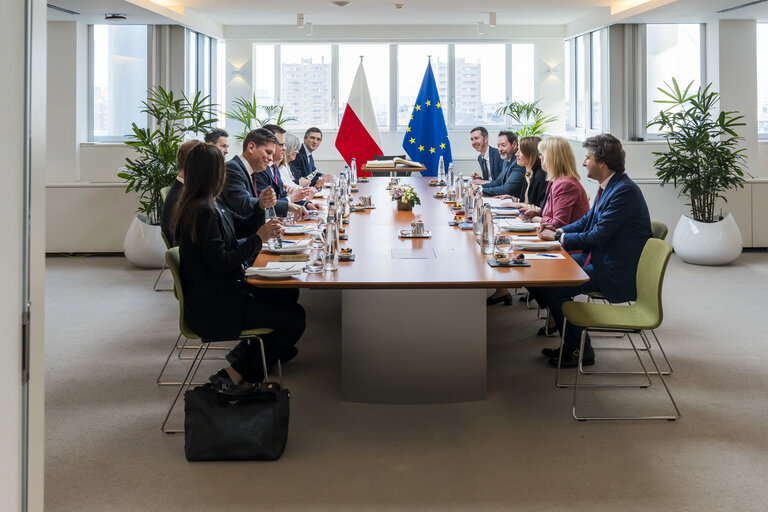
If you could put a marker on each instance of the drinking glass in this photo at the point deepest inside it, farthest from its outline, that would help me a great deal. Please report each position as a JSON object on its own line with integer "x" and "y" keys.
{"x": 503, "y": 244}
{"x": 315, "y": 259}
{"x": 275, "y": 242}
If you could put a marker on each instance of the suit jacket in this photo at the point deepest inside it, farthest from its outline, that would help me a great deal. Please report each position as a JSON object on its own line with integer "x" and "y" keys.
{"x": 614, "y": 231}
{"x": 495, "y": 164}
{"x": 212, "y": 273}
{"x": 168, "y": 206}
{"x": 238, "y": 194}
{"x": 510, "y": 181}
{"x": 301, "y": 169}
{"x": 566, "y": 202}
{"x": 266, "y": 179}
{"x": 536, "y": 188}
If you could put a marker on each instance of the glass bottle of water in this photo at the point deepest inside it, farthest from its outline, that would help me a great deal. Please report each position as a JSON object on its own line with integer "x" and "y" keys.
{"x": 441, "y": 170}
{"x": 487, "y": 237}
{"x": 353, "y": 173}
{"x": 459, "y": 185}
{"x": 276, "y": 241}
{"x": 469, "y": 203}
{"x": 451, "y": 175}
{"x": 477, "y": 227}
{"x": 331, "y": 240}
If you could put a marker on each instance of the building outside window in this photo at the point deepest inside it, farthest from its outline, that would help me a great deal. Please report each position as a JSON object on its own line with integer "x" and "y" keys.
{"x": 762, "y": 80}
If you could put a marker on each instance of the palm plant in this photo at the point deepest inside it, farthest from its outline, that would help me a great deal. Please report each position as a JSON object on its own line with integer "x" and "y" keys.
{"x": 157, "y": 145}
{"x": 528, "y": 116}
{"x": 248, "y": 112}
{"x": 702, "y": 156}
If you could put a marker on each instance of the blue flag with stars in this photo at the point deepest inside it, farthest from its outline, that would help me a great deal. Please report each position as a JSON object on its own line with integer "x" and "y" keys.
{"x": 426, "y": 138}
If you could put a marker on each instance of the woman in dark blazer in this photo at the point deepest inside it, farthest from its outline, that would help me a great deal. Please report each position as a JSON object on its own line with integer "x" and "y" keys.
{"x": 218, "y": 303}
{"x": 535, "y": 185}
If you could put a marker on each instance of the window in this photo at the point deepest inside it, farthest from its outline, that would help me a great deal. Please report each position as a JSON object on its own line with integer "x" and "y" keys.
{"x": 480, "y": 83}
{"x": 762, "y": 80}
{"x": 119, "y": 84}
{"x": 306, "y": 84}
{"x": 411, "y": 65}
{"x": 568, "y": 66}
{"x": 202, "y": 63}
{"x": 581, "y": 80}
{"x": 671, "y": 51}
{"x": 264, "y": 73}
{"x": 586, "y": 82}
{"x": 376, "y": 65}
{"x": 596, "y": 80}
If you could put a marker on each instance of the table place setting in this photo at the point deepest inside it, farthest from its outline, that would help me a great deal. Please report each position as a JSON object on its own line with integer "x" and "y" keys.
{"x": 288, "y": 246}
{"x": 531, "y": 245}
{"x": 275, "y": 270}
{"x": 297, "y": 229}
{"x": 516, "y": 225}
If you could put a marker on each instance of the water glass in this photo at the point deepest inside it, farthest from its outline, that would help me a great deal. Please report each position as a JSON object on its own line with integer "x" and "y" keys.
{"x": 277, "y": 241}
{"x": 503, "y": 244}
{"x": 315, "y": 259}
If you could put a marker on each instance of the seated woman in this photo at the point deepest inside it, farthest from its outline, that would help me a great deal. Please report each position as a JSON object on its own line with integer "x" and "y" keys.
{"x": 218, "y": 303}
{"x": 566, "y": 200}
{"x": 531, "y": 197}
{"x": 295, "y": 192}
{"x": 535, "y": 184}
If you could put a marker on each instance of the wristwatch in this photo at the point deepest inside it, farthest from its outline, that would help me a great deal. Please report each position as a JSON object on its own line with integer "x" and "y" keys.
{"x": 558, "y": 235}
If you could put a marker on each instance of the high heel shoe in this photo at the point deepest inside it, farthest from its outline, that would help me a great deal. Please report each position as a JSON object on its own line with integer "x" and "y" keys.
{"x": 506, "y": 299}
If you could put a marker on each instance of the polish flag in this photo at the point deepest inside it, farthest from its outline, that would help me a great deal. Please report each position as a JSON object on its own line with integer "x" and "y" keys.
{"x": 358, "y": 135}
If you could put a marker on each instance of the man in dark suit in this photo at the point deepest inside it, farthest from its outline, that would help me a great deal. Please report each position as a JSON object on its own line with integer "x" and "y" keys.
{"x": 169, "y": 204}
{"x": 488, "y": 159}
{"x": 303, "y": 166}
{"x": 612, "y": 235}
{"x": 239, "y": 192}
{"x": 271, "y": 178}
{"x": 512, "y": 176}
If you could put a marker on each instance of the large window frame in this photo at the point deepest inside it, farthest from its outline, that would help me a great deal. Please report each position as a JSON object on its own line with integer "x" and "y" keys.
{"x": 762, "y": 54}
{"x": 204, "y": 60}
{"x": 587, "y": 83}
{"x": 392, "y": 125}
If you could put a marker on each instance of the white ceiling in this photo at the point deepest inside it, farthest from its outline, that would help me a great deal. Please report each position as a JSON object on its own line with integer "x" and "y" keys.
{"x": 414, "y": 12}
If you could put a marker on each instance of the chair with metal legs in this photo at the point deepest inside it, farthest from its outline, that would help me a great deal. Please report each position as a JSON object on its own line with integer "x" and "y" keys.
{"x": 172, "y": 259}
{"x": 163, "y": 194}
{"x": 644, "y": 314}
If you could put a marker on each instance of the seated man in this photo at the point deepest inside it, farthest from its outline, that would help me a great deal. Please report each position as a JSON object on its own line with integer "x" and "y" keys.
{"x": 239, "y": 192}
{"x": 220, "y": 139}
{"x": 175, "y": 193}
{"x": 612, "y": 235}
{"x": 303, "y": 166}
{"x": 510, "y": 181}
{"x": 489, "y": 159}
{"x": 272, "y": 177}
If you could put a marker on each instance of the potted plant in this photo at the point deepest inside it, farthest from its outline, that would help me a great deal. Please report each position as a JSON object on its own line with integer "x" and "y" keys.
{"x": 528, "y": 116}
{"x": 252, "y": 115}
{"x": 704, "y": 161}
{"x": 154, "y": 167}
{"x": 405, "y": 196}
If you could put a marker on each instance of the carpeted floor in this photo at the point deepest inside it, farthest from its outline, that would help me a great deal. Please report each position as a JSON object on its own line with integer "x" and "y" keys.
{"x": 108, "y": 334}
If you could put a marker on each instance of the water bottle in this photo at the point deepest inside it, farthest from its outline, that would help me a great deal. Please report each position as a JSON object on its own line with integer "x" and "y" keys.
{"x": 459, "y": 183}
{"x": 451, "y": 175}
{"x": 441, "y": 170}
{"x": 487, "y": 237}
{"x": 331, "y": 240}
{"x": 477, "y": 227}
{"x": 353, "y": 174}
{"x": 276, "y": 242}
{"x": 469, "y": 203}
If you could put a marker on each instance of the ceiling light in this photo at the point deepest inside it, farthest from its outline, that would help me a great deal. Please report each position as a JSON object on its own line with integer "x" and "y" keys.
{"x": 398, "y": 6}
{"x": 115, "y": 17}
{"x": 340, "y": 3}
{"x": 492, "y": 19}
{"x": 480, "y": 28}
{"x": 299, "y": 20}
{"x": 309, "y": 29}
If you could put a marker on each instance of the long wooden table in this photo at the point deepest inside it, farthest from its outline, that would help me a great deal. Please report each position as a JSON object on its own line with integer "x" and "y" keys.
{"x": 413, "y": 310}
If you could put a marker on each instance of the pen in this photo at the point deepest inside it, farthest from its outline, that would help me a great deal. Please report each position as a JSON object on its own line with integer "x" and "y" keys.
{"x": 546, "y": 255}
{"x": 522, "y": 214}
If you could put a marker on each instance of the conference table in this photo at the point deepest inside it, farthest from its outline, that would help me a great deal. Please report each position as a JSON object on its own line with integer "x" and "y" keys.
{"x": 413, "y": 316}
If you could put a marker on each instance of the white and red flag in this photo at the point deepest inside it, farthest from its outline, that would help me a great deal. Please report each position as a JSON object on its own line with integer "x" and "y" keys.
{"x": 358, "y": 136}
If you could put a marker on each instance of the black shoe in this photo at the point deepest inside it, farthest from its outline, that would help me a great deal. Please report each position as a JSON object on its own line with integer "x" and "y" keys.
{"x": 547, "y": 331}
{"x": 292, "y": 352}
{"x": 221, "y": 380}
{"x": 570, "y": 358}
{"x": 237, "y": 351}
{"x": 506, "y": 299}
{"x": 549, "y": 353}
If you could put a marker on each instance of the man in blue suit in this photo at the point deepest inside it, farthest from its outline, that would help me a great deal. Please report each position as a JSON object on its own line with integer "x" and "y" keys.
{"x": 303, "y": 167}
{"x": 612, "y": 235}
{"x": 512, "y": 177}
{"x": 271, "y": 178}
{"x": 488, "y": 159}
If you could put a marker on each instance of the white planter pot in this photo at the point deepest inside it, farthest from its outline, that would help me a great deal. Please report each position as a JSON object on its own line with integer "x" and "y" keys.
{"x": 143, "y": 245}
{"x": 702, "y": 243}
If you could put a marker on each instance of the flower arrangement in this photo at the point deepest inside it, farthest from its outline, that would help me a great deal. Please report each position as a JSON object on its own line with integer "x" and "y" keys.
{"x": 404, "y": 194}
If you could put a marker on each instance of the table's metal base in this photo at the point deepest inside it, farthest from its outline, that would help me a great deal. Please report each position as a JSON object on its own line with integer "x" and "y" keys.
{"x": 413, "y": 346}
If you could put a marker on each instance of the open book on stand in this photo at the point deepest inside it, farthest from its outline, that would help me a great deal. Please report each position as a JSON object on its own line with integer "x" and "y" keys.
{"x": 391, "y": 163}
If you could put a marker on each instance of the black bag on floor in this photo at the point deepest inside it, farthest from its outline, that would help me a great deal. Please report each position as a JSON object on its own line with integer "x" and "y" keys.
{"x": 222, "y": 424}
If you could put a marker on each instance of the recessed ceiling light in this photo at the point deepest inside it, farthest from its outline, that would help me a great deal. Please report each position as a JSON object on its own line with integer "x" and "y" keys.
{"x": 114, "y": 17}
{"x": 398, "y": 6}
{"x": 341, "y": 3}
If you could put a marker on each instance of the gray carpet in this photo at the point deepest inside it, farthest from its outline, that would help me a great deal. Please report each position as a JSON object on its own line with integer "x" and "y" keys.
{"x": 108, "y": 334}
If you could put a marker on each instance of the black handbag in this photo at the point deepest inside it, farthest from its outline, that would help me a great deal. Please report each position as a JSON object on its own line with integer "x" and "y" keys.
{"x": 223, "y": 424}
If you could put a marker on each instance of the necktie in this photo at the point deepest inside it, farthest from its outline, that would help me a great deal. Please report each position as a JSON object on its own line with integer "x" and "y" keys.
{"x": 311, "y": 164}
{"x": 597, "y": 200}
{"x": 485, "y": 169}
{"x": 253, "y": 182}
{"x": 274, "y": 172}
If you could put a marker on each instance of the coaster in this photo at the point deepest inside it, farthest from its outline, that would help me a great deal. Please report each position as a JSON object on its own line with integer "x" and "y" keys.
{"x": 494, "y": 263}
{"x": 438, "y": 196}
{"x": 357, "y": 208}
{"x": 453, "y": 223}
{"x": 345, "y": 221}
{"x": 465, "y": 225}
{"x": 362, "y": 179}
{"x": 436, "y": 183}
{"x": 344, "y": 237}
{"x": 407, "y": 233}
{"x": 347, "y": 257}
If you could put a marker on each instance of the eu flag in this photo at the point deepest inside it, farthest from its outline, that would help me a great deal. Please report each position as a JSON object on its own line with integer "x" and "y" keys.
{"x": 426, "y": 138}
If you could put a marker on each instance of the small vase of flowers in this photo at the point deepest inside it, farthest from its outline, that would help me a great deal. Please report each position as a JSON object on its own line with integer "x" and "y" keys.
{"x": 405, "y": 196}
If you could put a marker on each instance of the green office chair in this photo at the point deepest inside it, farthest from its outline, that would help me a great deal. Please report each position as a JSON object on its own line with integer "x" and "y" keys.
{"x": 163, "y": 194}
{"x": 172, "y": 259}
{"x": 643, "y": 315}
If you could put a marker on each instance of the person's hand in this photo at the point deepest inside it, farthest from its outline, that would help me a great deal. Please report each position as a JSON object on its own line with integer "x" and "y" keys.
{"x": 308, "y": 192}
{"x": 296, "y": 194}
{"x": 475, "y": 176}
{"x": 510, "y": 204}
{"x": 546, "y": 234}
{"x": 530, "y": 212}
{"x": 326, "y": 178}
{"x": 310, "y": 206}
{"x": 547, "y": 225}
{"x": 267, "y": 198}
{"x": 299, "y": 212}
{"x": 270, "y": 229}
{"x": 304, "y": 182}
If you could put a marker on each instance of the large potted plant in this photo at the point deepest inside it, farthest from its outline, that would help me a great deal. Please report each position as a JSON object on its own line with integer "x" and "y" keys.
{"x": 703, "y": 161}
{"x": 532, "y": 121}
{"x": 154, "y": 167}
